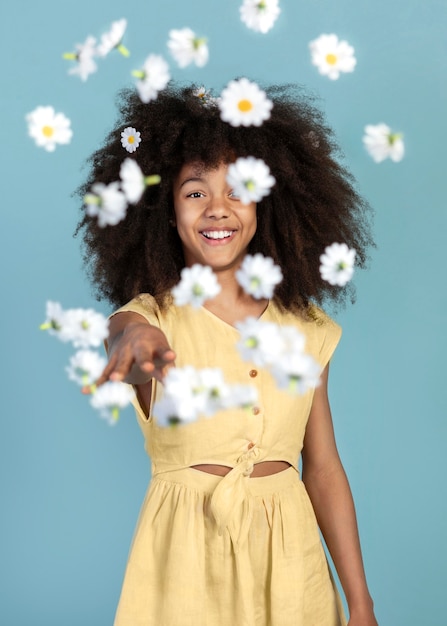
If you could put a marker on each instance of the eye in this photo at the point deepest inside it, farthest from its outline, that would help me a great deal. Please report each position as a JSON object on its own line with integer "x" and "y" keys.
{"x": 233, "y": 194}
{"x": 195, "y": 194}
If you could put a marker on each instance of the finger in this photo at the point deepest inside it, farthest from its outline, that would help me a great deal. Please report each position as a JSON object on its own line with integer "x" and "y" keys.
{"x": 87, "y": 389}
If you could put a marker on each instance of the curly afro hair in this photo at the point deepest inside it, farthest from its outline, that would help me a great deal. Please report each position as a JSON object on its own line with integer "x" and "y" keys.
{"x": 313, "y": 204}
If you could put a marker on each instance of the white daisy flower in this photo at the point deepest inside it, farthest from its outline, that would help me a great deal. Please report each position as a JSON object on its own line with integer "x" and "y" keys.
{"x": 297, "y": 372}
{"x": 152, "y": 78}
{"x": 187, "y": 48}
{"x": 337, "y": 264}
{"x": 113, "y": 39}
{"x": 48, "y": 128}
{"x": 85, "y": 328}
{"x": 85, "y": 52}
{"x": 260, "y": 342}
{"x": 107, "y": 202}
{"x": 130, "y": 139}
{"x": 54, "y": 318}
{"x": 85, "y": 367}
{"x": 258, "y": 276}
{"x": 133, "y": 181}
{"x": 381, "y": 143}
{"x": 197, "y": 284}
{"x": 204, "y": 96}
{"x": 191, "y": 393}
{"x": 332, "y": 56}
{"x": 110, "y": 399}
{"x": 259, "y": 15}
{"x": 243, "y": 103}
{"x": 250, "y": 179}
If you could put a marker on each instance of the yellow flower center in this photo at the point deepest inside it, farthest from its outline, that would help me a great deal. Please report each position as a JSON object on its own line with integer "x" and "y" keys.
{"x": 244, "y": 106}
{"x": 130, "y": 139}
{"x": 331, "y": 59}
{"x": 48, "y": 131}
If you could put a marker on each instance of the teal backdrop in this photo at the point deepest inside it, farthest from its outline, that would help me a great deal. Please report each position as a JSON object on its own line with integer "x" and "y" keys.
{"x": 71, "y": 486}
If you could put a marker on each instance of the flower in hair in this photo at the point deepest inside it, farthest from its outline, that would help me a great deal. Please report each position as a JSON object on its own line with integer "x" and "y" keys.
{"x": 48, "y": 128}
{"x": 332, "y": 56}
{"x": 130, "y": 139}
{"x": 198, "y": 283}
{"x": 107, "y": 202}
{"x": 381, "y": 143}
{"x": 84, "y": 55}
{"x": 85, "y": 367}
{"x": 250, "y": 179}
{"x": 243, "y": 103}
{"x": 259, "y": 15}
{"x": 152, "y": 78}
{"x": 133, "y": 181}
{"x": 113, "y": 39}
{"x": 337, "y": 264}
{"x": 204, "y": 96}
{"x": 187, "y": 48}
{"x": 258, "y": 276}
{"x": 110, "y": 399}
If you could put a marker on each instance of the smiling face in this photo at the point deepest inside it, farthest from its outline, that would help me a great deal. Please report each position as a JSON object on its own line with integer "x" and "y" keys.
{"x": 214, "y": 226}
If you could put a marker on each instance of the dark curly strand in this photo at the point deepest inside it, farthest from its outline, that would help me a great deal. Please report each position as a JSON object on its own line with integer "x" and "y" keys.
{"x": 313, "y": 204}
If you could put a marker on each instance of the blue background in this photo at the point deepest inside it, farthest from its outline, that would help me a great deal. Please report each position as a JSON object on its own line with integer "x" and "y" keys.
{"x": 71, "y": 487}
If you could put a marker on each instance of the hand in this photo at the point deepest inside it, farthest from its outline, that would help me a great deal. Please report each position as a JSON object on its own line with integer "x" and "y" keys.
{"x": 365, "y": 618}
{"x": 138, "y": 353}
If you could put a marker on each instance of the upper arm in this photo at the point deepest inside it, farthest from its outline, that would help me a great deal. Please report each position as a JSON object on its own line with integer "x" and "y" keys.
{"x": 320, "y": 450}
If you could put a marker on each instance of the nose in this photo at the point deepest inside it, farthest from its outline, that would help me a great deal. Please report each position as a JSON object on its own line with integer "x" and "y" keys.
{"x": 217, "y": 208}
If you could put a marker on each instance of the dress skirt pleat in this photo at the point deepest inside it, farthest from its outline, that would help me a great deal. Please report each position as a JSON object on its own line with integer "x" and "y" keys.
{"x": 182, "y": 572}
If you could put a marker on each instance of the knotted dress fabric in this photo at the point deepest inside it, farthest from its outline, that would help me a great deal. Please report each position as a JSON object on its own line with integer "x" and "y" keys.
{"x": 233, "y": 550}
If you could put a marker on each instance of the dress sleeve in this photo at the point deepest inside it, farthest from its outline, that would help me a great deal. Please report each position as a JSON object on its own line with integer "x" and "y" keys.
{"x": 145, "y": 305}
{"x": 329, "y": 336}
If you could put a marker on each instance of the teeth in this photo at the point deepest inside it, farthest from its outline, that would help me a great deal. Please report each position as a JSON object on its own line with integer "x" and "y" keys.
{"x": 217, "y": 234}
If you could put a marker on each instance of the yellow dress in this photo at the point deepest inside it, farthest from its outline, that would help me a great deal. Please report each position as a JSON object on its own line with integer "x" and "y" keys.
{"x": 231, "y": 551}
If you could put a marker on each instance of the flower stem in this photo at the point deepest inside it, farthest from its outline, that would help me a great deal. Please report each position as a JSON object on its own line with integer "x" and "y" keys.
{"x": 124, "y": 51}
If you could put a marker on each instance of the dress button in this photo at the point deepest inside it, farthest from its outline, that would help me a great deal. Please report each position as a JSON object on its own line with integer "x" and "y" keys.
{"x": 256, "y": 410}
{"x": 250, "y": 445}
{"x": 253, "y": 373}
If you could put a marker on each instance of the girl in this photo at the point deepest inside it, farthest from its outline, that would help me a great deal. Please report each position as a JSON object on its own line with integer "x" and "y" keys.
{"x": 228, "y": 534}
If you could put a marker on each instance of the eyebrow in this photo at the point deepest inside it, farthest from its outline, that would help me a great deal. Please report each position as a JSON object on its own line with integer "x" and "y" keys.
{"x": 192, "y": 179}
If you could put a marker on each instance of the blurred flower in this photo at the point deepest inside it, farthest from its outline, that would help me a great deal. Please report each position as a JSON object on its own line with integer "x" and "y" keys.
{"x": 258, "y": 276}
{"x": 250, "y": 179}
{"x": 133, "y": 182}
{"x": 191, "y": 393}
{"x": 85, "y": 328}
{"x": 110, "y": 399}
{"x": 113, "y": 39}
{"x": 130, "y": 139}
{"x": 187, "y": 48}
{"x": 54, "y": 318}
{"x": 382, "y": 143}
{"x": 332, "y": 56}
{"x": 85, "y": 367}
{"x": 85, "y": 52}
{"x": 337, "y": 264}
{"x": 152, "y": 78}
{"x": 260, "y": 342}
{"x": 107, "y": 202}
{"x": 243, "y": 103}
{"x": 259, "y": 15}
{"x": 197, "y": 284}
{"x": 297, "y": 372}
{"x": 48, "y": 128}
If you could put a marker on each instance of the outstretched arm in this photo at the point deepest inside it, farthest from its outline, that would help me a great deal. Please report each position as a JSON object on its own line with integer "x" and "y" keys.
{"x": 328, "y": 489}
{"x": 137, "y": 352}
